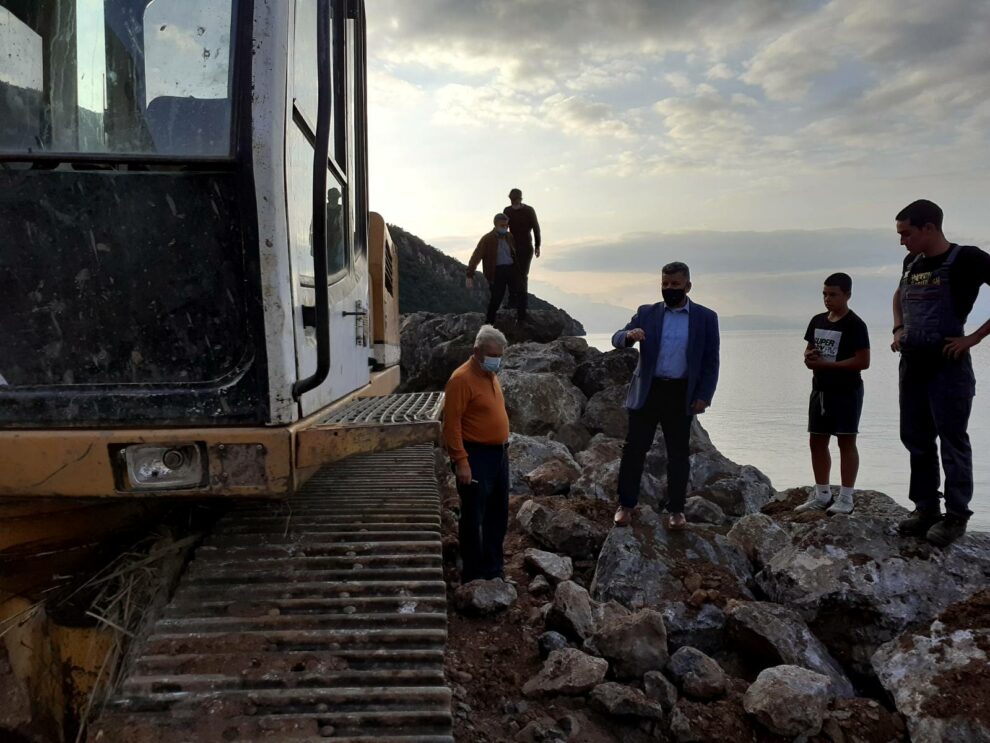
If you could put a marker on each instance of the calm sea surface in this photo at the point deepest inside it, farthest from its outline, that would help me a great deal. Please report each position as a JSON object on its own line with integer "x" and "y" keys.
{"x": 760, "y": 413}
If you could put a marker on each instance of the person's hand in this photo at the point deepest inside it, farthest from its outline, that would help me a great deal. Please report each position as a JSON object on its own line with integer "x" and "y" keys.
{"x": 463, "y": 472}
{"x": 536, "y": 252}
{"x": 636, "y": 334}
{"x": 698, "y": 407}
{"x": 814, "y": 362}
{"x": 956, "y": 347}
{"x": 895, "y": 345}
{"x": 811, "y": 354}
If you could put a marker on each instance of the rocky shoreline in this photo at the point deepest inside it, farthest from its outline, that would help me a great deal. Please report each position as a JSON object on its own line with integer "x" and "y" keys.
{"x": 755, "y": 623}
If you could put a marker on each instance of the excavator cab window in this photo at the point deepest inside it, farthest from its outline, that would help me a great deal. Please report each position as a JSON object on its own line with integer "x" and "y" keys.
{"x": 117, "y": 76}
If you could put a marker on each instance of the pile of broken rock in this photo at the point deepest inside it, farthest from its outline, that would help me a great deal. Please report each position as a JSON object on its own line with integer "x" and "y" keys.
{"x": 755, "y": 623}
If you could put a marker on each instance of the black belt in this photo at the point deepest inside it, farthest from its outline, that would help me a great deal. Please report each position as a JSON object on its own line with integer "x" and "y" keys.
{"x": 476, "y": 445}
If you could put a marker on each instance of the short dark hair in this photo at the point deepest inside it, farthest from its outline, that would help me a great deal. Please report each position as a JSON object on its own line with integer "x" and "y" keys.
{"x": 515, "y": 192}
{"x": 677, "y": 267}
{"x": 842, "y": 281}
{"x": 921, "y": 212}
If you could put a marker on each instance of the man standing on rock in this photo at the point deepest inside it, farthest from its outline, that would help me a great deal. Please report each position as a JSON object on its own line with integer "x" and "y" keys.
{"x": 674, "y": 381}
{"x": 476, "y": 434}
{"x": 525, "y": 228}
{"x": 837, "y": 350}
{"x": 939, "y": 286}
{"x": 496, "y": 251}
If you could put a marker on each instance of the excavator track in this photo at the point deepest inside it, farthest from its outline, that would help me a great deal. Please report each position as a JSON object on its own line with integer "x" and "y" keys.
{"x": 322, "y": 617}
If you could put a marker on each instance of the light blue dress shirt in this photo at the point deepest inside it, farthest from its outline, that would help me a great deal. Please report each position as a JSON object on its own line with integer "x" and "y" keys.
{"x": 504, "y": 253}
{"x": 672, "y": 359}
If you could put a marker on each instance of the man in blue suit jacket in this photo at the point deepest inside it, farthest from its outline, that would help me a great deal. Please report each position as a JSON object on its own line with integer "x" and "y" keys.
{"x": 674, "y": 381}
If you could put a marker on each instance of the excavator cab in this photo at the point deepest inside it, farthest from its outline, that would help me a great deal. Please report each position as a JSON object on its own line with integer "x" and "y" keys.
{"x": 193, "y": 289}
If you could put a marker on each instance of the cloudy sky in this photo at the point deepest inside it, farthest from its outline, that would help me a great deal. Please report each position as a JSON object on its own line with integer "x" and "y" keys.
{"x": 765, "y": 142}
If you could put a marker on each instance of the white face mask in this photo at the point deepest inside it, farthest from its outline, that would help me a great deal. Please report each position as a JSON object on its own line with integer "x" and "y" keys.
{"x": 492, "y": 364}
{"x": 501, "y": 230}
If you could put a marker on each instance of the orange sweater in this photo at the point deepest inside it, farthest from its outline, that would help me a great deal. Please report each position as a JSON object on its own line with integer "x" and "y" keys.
{"x": 473, "y": 410}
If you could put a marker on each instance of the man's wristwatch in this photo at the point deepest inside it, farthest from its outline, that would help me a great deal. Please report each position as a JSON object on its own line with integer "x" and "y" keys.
{"x": 896, "y": 328}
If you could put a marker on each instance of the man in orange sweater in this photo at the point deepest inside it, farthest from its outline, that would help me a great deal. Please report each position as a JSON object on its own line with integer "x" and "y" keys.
{"x": 476, "y": 434}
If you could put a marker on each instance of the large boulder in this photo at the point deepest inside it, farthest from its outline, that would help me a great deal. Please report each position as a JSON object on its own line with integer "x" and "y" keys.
{"x": 567, "y": 671}
{"x": 609, "y": 369}
{"x": 572, "y": 612}
{"x": 788, "y": 700}
{"x": 606, "y": 413}
{"x": 602, "y": 483}
{"x": 633, "y": 644}
{"x": 619, "y": 700}
{"x": 640, "y": 566}
{"x": 543, "y": 326}
{"x": 433, "y": 345}
{"x": 572, "y": 435}
{"x": 699, "y": 676}
{"x": 759, "y": 537}
{"x": 561, "y": 530}
{"x": 554, "y": 567}
{"x": 707, "y": 466}
{"x": 770, "y": 635}
{"x": 600, "y": 450}
{"x": 552, "y": 478}
{"x": 701, "y": 627}
{"x": 526, "y": 453}
{"x": 700, "y": 510}
{"x": 485, "y": 596}
{"x": 939, "y": 674}
{"x": 740, "y": 494}
{"x": 539, "y": 403}
{"x": 859, "y": 584}
{"x": 558, "y": 357}
{"x": 660, "y": 689}
{"x": 439, "y": 360}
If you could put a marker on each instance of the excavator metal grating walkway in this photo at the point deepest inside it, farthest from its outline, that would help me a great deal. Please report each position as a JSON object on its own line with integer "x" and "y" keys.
{"x": 319, "y": 618}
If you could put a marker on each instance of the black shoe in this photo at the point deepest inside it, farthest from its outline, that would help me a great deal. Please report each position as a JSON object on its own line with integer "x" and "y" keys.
{"x": 919, "y": 522}
{"x": 946, "y": 531}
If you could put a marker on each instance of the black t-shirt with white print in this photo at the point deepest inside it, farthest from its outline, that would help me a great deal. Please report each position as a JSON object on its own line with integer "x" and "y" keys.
{"x": 837, "y": 341}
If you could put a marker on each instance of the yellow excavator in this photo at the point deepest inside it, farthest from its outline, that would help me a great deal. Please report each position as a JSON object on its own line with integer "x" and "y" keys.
{"x": 196, "y": 305}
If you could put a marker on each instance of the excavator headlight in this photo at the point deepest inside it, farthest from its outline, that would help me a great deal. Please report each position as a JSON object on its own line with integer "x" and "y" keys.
{"x": 151, "y": 467}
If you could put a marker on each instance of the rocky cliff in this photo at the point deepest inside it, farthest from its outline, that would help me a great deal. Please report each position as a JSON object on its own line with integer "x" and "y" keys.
{"x": 754, "y": 624}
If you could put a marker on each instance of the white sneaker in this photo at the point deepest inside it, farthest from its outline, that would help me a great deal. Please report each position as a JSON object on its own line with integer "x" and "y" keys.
{"x": 816, "y": 502}
{"x": 843, "y": 504}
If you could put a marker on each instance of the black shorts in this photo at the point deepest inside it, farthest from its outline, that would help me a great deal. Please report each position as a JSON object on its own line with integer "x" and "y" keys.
{"x": 835, "y": 412}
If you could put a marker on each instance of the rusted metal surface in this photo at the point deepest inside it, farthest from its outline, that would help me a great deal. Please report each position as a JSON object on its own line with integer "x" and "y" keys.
{"x": 322, "y": 617}
{"x": 413, "y": 407}
{"x": 78, "y": 463}
{"x": 371, "y": 424}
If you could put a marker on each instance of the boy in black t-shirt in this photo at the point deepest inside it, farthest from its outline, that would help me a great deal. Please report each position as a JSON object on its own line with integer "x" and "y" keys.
{"x": 838, "y": 350}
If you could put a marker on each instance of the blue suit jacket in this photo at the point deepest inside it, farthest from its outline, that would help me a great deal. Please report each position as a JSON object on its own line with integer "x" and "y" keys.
{"x": 702, "y": 352}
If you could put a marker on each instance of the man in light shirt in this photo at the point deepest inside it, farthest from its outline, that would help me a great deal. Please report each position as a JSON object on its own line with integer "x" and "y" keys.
{"x": 496, "y": 251}
{"x": 674, "y": 381}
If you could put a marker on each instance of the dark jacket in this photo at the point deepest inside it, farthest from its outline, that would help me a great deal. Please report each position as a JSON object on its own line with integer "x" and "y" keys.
{"x": 487, "y": 253}
{"x": 702, "y": 352}
{"x": 523, "y": 222}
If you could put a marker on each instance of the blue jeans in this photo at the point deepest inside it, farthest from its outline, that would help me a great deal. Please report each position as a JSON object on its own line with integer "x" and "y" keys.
{"x": 936, "y": 397}
{"x": 484, "y": 512}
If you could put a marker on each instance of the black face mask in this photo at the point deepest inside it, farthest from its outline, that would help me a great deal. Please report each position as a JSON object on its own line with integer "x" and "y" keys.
{"x": 673, "y": 297}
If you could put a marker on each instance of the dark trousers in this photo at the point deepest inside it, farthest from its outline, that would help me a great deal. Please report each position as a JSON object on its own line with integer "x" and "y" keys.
{"x": 936, "y": 397}
{"x": 519, "y": 295}
{"x": 666, "y": 405}
{"x": 505, "y": 277}
{"x": 484, "y": 512}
